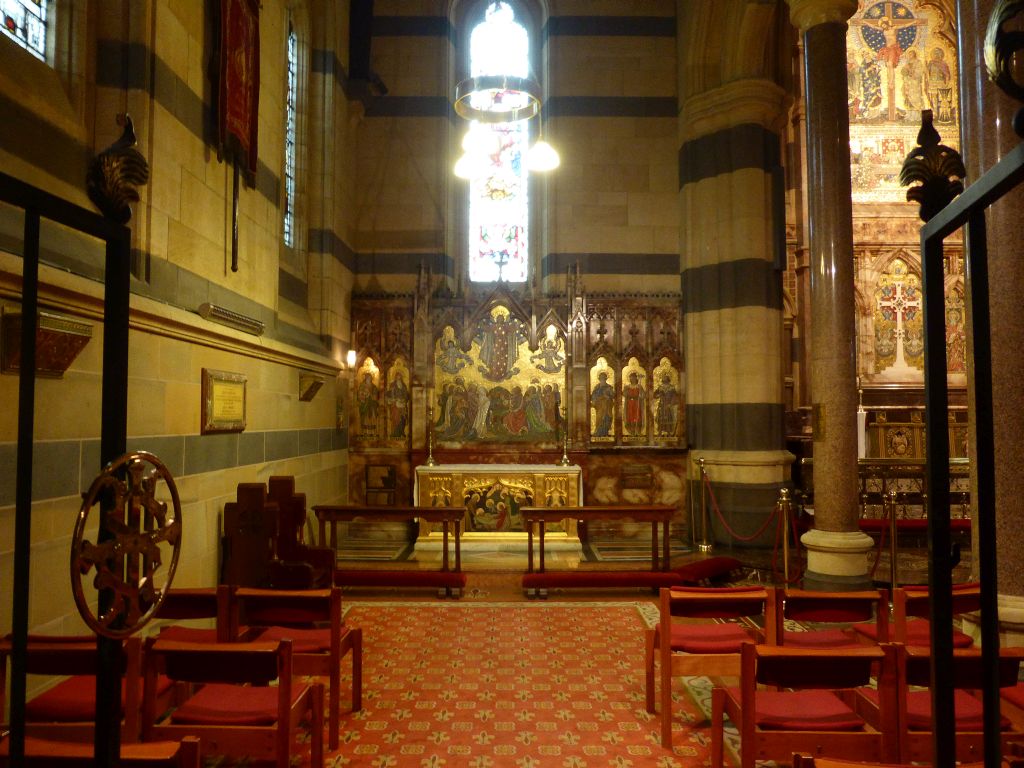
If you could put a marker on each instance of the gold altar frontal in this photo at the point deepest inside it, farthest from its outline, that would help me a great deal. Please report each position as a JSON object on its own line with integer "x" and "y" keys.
{"x": 493, "y": 494}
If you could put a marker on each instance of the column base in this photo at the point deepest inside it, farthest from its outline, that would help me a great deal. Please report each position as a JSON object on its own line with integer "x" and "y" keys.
{"x": 1011, "y": 622}
{"x": 837, "y": 560}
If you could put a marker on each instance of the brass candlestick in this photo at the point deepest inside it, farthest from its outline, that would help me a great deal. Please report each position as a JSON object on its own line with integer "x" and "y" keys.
{"x": 564, "y": 461}
{"x": 431, "y": 461}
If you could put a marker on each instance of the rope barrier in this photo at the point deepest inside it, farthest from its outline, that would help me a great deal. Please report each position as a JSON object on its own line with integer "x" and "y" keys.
{"x": 781, "y": 529}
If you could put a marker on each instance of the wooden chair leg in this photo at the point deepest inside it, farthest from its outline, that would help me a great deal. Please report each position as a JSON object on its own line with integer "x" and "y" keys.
{"x": 316, "y": 757}
{"x": 650, "y": 647}
{"x": 666, "y": 703}
{"x": 717, "y": 727}
{"x": 357, "y": 669}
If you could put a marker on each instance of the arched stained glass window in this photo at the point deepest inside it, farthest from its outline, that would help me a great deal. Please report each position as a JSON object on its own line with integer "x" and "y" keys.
{"x": 292, "y": 66}
{"x": 24, "y": 21}
{"x": 498, "y": 199}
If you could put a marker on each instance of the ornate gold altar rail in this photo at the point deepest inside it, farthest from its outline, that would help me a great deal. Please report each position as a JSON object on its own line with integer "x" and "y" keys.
{"x": 901, "y": 482}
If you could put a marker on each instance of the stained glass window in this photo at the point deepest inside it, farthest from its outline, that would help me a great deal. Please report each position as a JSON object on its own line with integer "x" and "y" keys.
{"x": 498, "y": 200}
{"x": 292, "y": 65}
{"x": 25, "y": 23}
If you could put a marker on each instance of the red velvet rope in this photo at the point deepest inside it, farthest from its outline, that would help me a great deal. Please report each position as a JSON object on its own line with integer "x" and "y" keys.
{"x": 781, "y": 529}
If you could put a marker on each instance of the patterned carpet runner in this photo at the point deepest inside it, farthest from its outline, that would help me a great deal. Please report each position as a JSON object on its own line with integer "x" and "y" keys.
{"x": 524, "y": 685}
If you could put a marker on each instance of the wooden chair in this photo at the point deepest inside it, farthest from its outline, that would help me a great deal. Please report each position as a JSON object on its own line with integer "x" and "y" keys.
{"x": 708, "y": 648}
{"x": 911, "y": 610}
{"x": 292, "y": 553}
{"x": 42, "y": 753}
{"x": 199, "y": 603}
{"x": 806, "y": 714}
{"x": 67, "y": 711}
{"x": 236, "y": 712}
{"x": 312, "y": 620}
{"x": 841, "y": 609}
{"x": 915, "y": 706}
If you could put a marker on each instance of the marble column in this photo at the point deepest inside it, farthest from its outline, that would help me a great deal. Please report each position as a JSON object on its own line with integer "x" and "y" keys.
{"x": 986, "y": 136}
{"x": 730, "y": 166}
{"x": 836, "y": 548}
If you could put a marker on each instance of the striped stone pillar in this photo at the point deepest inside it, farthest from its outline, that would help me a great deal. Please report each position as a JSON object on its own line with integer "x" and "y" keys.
{"x": 836, "y": 548}
{"x": 733, "y": 248}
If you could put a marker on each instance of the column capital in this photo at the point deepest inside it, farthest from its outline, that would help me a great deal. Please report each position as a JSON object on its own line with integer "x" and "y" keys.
{"x": 742, "y": 101}
{"x": 810, "y": 13}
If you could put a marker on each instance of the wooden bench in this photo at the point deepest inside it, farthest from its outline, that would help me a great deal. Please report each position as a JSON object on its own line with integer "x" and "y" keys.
{"x": 451, "y": 580}
{"x": 537, "y": 582}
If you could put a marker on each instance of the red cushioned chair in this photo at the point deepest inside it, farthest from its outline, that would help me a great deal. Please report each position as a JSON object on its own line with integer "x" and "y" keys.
{"x": 915, "y": 706}
{"x": 43, "y": 753}
{"x": 312, "y": 620}
{"x": 67, "y": 711}
{"x": 199, "y": 604}
{"x": 707, "y": 648}
{"x": 235, "y": 712}
{"x": 805, "y": 713}
{"x": 910, "y": 616}
{"x": 838, "y": 609}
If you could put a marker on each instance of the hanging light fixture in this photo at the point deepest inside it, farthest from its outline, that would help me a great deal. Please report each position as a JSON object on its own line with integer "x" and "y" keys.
{"x": 542, "y": 156}
{"x": 490, "y": 99}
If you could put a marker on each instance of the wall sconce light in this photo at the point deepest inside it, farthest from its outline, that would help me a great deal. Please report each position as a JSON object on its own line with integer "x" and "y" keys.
{"x": 309, "y": 385}
{"x": 350, "y": 359}
{"x": 231, "y": 318}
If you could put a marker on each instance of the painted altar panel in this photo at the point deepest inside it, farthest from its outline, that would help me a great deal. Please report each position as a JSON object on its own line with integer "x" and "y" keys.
{"x": 493, "y": 494}
{"x": 498, "y": 390}
{"x": 901, "y": 59}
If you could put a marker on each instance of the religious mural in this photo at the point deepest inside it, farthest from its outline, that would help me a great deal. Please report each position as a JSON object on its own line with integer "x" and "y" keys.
{"x": 901, "y": 59}
{"x": 956, "y": 332}
{"x": 499, "y": 390}
{"x": 899, "y": 328}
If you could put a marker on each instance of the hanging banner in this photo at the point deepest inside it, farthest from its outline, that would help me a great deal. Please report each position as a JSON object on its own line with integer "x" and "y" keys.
{"x": 239, "y": 82}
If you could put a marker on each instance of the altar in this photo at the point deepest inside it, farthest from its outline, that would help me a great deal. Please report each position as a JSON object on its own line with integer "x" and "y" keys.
{"x": 494, "y": 494}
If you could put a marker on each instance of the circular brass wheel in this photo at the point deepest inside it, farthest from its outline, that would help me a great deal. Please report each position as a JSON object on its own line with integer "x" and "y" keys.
{"x": 137, "y": 536}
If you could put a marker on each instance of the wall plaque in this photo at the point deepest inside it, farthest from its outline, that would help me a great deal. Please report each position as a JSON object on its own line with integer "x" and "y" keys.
{"x": 223, "y": 401}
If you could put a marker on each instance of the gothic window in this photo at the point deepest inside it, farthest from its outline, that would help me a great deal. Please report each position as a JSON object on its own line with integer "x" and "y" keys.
{"x": 291, "y": 77}
{"x": 24, "y": 21}
{"x": 499, "y": 225}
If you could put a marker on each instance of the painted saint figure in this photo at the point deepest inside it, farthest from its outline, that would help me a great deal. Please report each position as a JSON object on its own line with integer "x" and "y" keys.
{"x": 635, "y": 403}
{"x": 450, "y": 358}
{"x": 367, "y": 401}
{"x": 912, "y": 73}
{"x": 939, "y": 85}
{"x": 666, "y": 417}
{"x": 602, "y": 400}
{"x": 397, "y": 401}
{"x": 499, "y": 338}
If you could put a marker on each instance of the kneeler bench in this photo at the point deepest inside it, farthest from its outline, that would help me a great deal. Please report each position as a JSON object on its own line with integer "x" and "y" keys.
{"x": 449, "y": 579}
{"x": 536, "y": 583}
{"x": 697, "y": 573}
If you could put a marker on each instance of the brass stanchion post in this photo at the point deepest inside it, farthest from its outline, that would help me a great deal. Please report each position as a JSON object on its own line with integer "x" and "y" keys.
{"x": 705, "y": 545}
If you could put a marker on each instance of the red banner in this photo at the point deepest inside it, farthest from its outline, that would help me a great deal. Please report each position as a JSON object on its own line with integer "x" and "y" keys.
{"x": 238, "y": 101}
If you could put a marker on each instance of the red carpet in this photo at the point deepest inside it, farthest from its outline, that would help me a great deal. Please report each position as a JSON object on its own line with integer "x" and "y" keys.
{"x": 524, "y": 685}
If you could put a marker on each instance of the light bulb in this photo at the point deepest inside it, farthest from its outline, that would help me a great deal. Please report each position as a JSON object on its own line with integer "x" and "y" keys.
{"x": 542, "y": 157}
{"x": 465, "y": 166}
